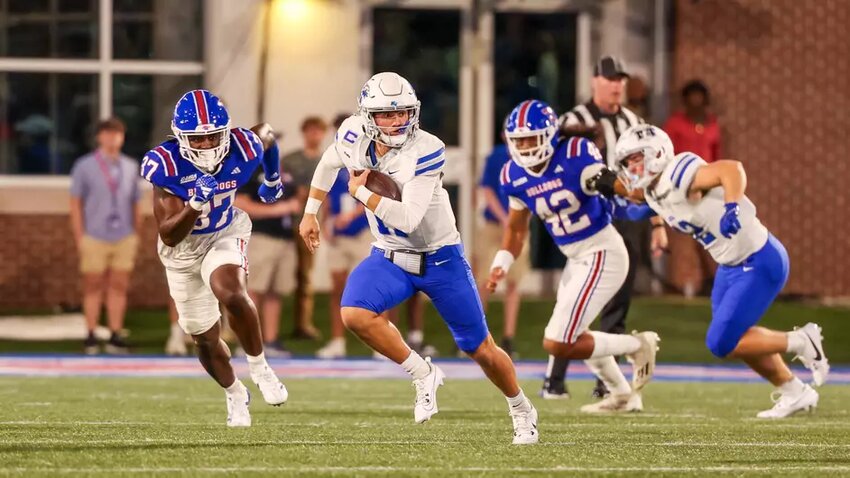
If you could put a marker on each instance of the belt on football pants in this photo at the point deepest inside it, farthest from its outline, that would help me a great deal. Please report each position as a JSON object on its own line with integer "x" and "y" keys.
{"x": 412, "y": 262}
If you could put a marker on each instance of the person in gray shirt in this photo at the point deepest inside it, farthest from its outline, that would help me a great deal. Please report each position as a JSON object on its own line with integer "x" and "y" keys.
{"x": 105, "y": 217}
{"x": 301, "y": 164}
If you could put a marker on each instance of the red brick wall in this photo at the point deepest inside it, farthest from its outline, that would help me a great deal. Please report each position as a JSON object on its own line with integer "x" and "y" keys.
{"x": 39, "y": 265}
{"x": 779, "y": 74}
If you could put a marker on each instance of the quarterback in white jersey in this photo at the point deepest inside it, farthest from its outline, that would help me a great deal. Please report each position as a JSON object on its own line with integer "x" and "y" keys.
{"x": 708, "y": 202}
{"x": 417, "y": 246}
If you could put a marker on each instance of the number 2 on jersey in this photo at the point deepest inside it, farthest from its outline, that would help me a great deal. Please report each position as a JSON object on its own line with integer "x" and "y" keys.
{"x": 560, "y": 223}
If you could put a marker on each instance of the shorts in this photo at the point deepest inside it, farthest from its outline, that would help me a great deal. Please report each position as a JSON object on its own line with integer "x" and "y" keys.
{"x": 378, "y": 285}
{"x": 188, "y": 267}
{"x": 97, "y": 256}
{"x": 273, "y": 262}
{"x": 743, "y": 293}
{"x": 347, "y": 251}
{"x": 487, "y": 244}
{"x": 589, "y": 281}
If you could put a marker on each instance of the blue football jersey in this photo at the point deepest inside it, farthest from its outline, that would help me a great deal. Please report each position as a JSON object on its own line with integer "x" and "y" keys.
{"x": 558, "y": 194}
{"x": 165, "y": 168}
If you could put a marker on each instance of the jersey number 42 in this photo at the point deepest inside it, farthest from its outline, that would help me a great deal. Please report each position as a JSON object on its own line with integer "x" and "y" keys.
{"x": 560, "y": 223}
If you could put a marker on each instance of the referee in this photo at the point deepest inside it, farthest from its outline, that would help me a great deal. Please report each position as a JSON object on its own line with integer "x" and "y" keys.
{"x": 603, "y": 119}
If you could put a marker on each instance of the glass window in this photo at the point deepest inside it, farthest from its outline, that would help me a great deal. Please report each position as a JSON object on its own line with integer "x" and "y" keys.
{"x": 49, "y": 28}
{"x": 144, "y": 29}
{"x": 534, "y": 55}
{"x": 422, "y": 46}
{"x": 146, "y": 104}
{"x": 46, "y": 121}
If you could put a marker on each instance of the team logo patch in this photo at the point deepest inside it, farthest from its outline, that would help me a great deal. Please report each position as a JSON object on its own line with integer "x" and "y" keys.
{"x": 520, "y": 181}
{"x": 236, "y": 170}
{"x": 559, "y": 169}
{"x": 188, "y": 179}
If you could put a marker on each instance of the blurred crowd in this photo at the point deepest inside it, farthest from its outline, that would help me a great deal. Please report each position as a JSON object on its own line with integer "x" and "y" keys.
{"x": 106, "y": 217}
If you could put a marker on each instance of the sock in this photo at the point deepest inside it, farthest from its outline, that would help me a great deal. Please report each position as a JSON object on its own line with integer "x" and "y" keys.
{"x": 256, "y": 363}
{"x": 516, "y": 402}
{"x": 796, "y": 342}
{"x": 416, "y": 366}
{"x": 556, "y": 371}
{"x": 609, "y": 372}
{"x": 237, "y": 387}
{"x": 792, "y": 387}
{"x": 613, "y": 344}
{"x": 415, "y": 337}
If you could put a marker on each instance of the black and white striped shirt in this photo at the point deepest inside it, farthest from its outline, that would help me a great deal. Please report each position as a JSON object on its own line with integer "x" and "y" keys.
{"x": 613, "y": 125}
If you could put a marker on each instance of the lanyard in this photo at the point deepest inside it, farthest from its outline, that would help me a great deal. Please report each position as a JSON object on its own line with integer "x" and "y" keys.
{"x": 111, "y": 182}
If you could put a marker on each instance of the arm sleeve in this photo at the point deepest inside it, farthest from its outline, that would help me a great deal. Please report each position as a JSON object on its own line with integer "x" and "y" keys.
{"x": 516, "y": 203}
{"x": 624, "y": 210}
{"x": 271, "y": 162}
{"x": 405, "y": 215}
{"x": 327, "y": 169}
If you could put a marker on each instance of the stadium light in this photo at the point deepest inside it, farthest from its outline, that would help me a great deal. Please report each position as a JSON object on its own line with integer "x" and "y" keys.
{"x": 293, "y": 9}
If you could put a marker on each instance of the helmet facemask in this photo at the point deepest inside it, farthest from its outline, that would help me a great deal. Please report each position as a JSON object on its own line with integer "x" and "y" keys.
{"x": 206, "y": 159}
{"x": 652, "y": 162}
{"x": 537, "y": 154}
{"x": 383, "y": 134}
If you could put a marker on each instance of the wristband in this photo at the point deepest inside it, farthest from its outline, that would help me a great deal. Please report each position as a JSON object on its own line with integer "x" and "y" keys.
{"x": 504, "y": 259}
{"x": 196, "y": 203}
{"x": 362, "y": 194}
{"x": 312, "y": 207}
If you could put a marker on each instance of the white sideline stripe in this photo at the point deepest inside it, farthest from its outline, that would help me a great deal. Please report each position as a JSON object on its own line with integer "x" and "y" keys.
{"x": 419, "y": 470}
{"x": 158, "y": 441}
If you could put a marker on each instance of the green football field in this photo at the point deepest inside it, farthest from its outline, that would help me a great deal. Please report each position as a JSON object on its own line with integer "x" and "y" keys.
{"x": 175, "y": 426}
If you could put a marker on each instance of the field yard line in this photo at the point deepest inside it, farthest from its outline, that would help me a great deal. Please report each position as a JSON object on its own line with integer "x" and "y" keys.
{"x": 418, "y": 469}
{"x": 165, "y": 441}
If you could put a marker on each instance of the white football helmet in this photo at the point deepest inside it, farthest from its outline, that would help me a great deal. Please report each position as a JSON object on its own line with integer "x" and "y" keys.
{"x": 657, "y": 151}
{"x": 389, "y": 91}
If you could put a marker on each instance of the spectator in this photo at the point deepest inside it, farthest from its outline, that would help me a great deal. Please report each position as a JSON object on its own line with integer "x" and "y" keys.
{"x": 489, "y": 241}
{"x": 696, "y": 130}
{"x": 604, "y": 119}
{"x": 105, "y": 218}
{"x": 346, "y": 231}
{"x": 301, "y": 164}
{"x": 271, "y": 253}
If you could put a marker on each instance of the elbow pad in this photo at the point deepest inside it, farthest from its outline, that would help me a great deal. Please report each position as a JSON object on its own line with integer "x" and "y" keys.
{"x": 603, "y": 182}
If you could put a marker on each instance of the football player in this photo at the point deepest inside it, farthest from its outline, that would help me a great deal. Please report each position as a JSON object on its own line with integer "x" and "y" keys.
{"x": 547, "y": 176}
{"x": 203, "y": 238}
{"x": 708, "y": 202}
{"x": 417, "y": 246}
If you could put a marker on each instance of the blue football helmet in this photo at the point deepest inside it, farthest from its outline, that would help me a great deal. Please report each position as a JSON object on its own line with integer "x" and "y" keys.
{"x": 532, "y": 119}
{"x": 201, "y": 113}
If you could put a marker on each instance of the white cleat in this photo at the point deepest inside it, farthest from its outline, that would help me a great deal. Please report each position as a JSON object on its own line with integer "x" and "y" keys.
{"x": 237, "y": 408}
{"x": 334, "y": 349}
{"x": 274, "y": 392}
{"x": 426, "y": 393}
{"x": 525, "y": 424}
{"x": 643, "y": 360}
{"x": 814, "y": 358}
{"x": 615, "y": 403}
{"x": 786, "y": 405}
{"x": 175, "y": 346}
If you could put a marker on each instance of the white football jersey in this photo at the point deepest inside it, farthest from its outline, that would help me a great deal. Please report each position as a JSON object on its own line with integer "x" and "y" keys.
{"x": 421, "y": 158}
{"x": 700, "y": 217}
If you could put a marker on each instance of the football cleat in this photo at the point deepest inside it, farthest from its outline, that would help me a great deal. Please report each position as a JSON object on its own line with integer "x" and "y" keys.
{"x": 525, "y": 424}
{"x": 643, "y": 360}
{"x": 425, "y": 405}
{"x": 237, "y": 408}
{"x": 274, "y": 392}
{"x": 615, "y": 403}
{"x": 786, "y": 405}
{"x": 814, "y": 357}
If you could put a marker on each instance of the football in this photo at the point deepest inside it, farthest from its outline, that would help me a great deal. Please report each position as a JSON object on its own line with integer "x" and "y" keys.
{"x": 383, "y": 185}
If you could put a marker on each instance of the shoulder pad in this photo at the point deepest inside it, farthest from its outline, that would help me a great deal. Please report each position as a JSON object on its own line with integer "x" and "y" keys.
{"x": 682, "y": 169}
{"x": 430, "y": 153}
{"x": 159, "y": 165}
{"x": 247, "y": 143}
{"x": 350, "y": 131}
